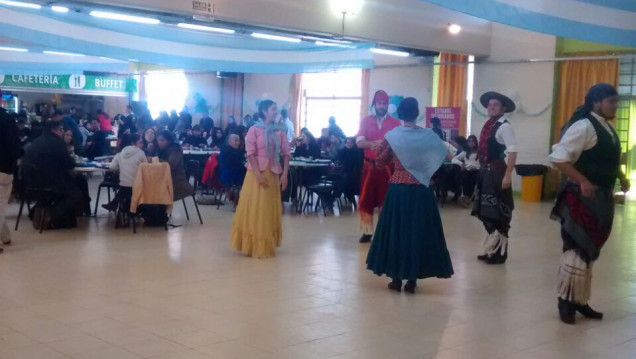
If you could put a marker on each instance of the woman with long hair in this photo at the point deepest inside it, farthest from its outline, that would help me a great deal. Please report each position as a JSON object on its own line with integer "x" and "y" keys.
{"x": 171, "y": 152}
{"x": 469, "y": 163}
{"x": 150, "y": 146}
{"x": 257, "y": 228}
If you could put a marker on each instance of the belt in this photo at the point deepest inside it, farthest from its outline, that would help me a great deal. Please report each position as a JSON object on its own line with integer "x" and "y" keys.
{"x": 494, "y": 165}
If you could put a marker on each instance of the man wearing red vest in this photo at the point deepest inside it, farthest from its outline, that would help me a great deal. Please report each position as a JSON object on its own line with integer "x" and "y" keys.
{"x": 375, "y": 181}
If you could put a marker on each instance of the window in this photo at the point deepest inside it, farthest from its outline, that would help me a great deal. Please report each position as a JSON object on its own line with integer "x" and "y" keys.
{"x": 166, "y": 91}
{"x": 329, "y": 94}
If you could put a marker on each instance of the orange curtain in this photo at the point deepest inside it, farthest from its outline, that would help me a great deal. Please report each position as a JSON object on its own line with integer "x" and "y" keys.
{"x": 295, "y": 105}
{"x": 575, "y": 79}
{"x": 364, "y": 103}
{"x": 451, "y": 88}
{"x": 232, "y": 98}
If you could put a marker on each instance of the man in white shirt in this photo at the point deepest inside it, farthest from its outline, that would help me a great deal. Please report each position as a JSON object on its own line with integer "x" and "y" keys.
{"x": 493, "y": 203}
{"x": 288, "y": 123}
{"x": 589, "y": 155}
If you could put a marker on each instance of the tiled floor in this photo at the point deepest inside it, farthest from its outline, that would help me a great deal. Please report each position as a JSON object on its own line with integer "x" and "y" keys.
{"x": 96, "y": 292}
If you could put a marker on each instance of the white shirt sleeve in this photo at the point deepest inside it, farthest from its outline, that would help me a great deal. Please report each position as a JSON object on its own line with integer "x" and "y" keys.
{"x": 451, "y": 149}
{"x": 577, "y": 138}
{"x": 506, "y": 136}
{"x": 460, "y": 158}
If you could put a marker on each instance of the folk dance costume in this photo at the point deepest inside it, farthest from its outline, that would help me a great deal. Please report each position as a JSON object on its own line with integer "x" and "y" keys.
{"x": 492, "y": 204}
{"x": 409, "y": 242}
{"x": 374, "y": 180}
{"x": 257, "y": 227}
{"x": 590, "y": 143}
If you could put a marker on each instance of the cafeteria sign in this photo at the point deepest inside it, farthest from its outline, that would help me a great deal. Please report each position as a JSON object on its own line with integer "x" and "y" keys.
{"x": 449, "y": 118}
{"x": 70, "y": 82}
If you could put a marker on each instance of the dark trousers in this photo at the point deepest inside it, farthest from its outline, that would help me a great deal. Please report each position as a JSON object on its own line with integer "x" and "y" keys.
{"x": 469, "y": 180}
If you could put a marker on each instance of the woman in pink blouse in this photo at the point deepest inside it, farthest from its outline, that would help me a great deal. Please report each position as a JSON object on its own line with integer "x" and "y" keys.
{"x": 257, "y": 228}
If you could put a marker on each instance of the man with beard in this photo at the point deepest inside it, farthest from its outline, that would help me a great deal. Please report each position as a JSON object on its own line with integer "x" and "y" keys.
{"x": 589, "y": 155}
{"x": 375, "y": 181}
{"x": 493, "y": 202}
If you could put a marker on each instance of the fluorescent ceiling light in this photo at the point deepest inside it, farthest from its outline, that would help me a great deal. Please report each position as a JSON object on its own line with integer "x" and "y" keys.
{"x": 259, "y": 35}
{"x": 322, "y": 43}
{"x": 454, "y": 29}
{"x": 14, "y": 49}
{"x": 62, "y": 53}
{"x": 390, "y": 52}
{"x": 60, "y": 9}
{"x": 27, "y": 5}
{"x": 124, "y": 17}
{"x": 184, "y": 25}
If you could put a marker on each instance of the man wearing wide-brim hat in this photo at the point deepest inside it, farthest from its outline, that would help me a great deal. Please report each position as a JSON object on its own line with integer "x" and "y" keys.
{"x": 497, "y": 154}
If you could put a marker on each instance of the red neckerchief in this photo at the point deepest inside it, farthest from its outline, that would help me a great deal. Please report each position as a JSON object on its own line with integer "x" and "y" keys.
{"x": 482, "y": 152}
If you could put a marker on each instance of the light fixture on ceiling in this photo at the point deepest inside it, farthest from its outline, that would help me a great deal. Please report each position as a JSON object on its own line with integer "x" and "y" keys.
{"x": 124, "y": 17}
{"x": 60, "y": 9}
{"x": 390, "y": 52}
{"x": 259, "y": 35}
{"x": 333, "y": 44}
{"x": 184, "y": 25}
{"x": 14, "y": 49}
{"x": 27, "y": 5}
{"x": 62, "y": 53}
{"x": 345, "y": 8}
{"x": 454, "y": 29}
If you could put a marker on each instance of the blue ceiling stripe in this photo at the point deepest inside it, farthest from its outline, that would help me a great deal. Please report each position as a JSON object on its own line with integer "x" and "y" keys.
{"x": 511, "y": 15}
{"x": 626, "y": 5}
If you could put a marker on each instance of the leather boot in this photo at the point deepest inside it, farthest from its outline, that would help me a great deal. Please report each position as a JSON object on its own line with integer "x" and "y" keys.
{"x": 588, "y": 312}
{"x": 566, "y": 311}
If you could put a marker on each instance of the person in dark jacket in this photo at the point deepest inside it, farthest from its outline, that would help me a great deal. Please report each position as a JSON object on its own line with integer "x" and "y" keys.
{"x": 306, "y": 145}
{"x": 207, "y": 124}
{"x": 232, "y": 163}
{"x": 350, "y": 158}
{"x": 10, "y": 151}
{"x": 50, "y": 157}
{"x": 70, "y": 124}
{"x": 196, "y": 139}
{"x": 171, "y": 152}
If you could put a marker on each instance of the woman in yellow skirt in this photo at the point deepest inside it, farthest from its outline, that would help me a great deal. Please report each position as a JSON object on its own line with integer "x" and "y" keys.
{"x": 257, "y": 228}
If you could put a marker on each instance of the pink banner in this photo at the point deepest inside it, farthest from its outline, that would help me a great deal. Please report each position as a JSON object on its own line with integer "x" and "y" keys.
{"x": 449, "y": 117}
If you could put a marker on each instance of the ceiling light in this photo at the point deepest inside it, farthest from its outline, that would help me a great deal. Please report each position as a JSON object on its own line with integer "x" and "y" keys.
{"x": 124, "y": 17}
{"x": 205, "y": 28}
{"x": 259, "y": 35}
{"x": 62, "y": 53}
{"x": 347, "y": 7}
{"x": 14, "y": 49}
{"x": 390, "y": 52}
{"x": 60, "y": 9}
{"x": 454, "y": 29}
{"x": 27, "y": 5}
{"x": 332, "y": 44}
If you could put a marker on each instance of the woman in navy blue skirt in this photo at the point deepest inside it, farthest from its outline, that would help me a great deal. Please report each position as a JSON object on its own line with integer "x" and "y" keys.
{"x": 409, "y": 241}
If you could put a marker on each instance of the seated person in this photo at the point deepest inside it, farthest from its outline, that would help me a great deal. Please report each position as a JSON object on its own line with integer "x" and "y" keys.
{"x": 470, "y": 166}
{"x": 232, "y": 163}
{"x": 50, "y": 158}
{"x": 335, "y": 147}
{"x": 351, "y": 158}
{"x": 150, "y": 146}
{"x": 196, "y": 139}
{"x": 127, "y": 163}
{"x": 324, "y": 141}
{"x": 24, "y": 131}
{"x": 217, "y": 139}
{"x": 306, "y": 145}
{"x": 68, "y": 141}
{"x": 171, "y": 152}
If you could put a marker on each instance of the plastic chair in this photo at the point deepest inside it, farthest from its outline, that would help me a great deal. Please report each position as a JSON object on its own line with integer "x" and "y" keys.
{"x": 111, "y": 181}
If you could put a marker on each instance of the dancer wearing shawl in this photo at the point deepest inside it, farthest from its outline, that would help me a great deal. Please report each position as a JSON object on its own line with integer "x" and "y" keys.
{"x": 493, "y": 203}
{"x": 257, "y": 227}
{"x": 374, "y": 180}
{"x": 409, "y": 241}
{"x": 589, "y": 155}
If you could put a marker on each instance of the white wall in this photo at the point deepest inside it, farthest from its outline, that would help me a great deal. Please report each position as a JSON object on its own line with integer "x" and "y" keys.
{"x": 258, "y": 87}
{"x": 530, "y": 85}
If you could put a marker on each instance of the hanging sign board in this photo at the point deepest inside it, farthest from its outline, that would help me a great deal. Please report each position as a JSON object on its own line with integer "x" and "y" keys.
{"x": 101, "y": 84}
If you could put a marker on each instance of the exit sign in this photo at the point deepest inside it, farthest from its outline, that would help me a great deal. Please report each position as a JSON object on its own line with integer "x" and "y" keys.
{"x": 203, "y": 6}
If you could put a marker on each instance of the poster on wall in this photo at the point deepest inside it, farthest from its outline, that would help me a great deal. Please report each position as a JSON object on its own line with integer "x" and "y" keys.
{"x": 449, "y": 118}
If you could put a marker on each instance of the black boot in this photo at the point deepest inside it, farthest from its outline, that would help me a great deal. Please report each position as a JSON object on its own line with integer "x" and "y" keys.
{"x": 410, "y": 286}
{"x": 482, "y": 257}
{"x": 588, "y": 312}
{"x": 497, "y": 258}
{"x": 366, "y": 238}
{"x": 395, "y": 285}
{"x": 566, "y": 311}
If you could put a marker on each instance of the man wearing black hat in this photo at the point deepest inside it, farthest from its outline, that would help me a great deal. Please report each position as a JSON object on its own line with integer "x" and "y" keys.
{"x": 493, "y": 203}
{"x": 589, "y": 155}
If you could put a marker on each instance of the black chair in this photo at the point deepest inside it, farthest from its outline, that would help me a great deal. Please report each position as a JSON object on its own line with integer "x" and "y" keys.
{"x": 111, "y": 181}
{"x": 193, "y": 170}
{"x": 32, "y": 187}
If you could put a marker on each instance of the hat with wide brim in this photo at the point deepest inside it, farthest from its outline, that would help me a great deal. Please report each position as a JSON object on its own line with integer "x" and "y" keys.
{"x": 505, "y": 100}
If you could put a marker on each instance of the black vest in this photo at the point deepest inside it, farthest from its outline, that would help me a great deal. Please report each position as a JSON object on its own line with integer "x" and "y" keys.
{"x": 600, "y": 164}
{"x": 496, "y": 151}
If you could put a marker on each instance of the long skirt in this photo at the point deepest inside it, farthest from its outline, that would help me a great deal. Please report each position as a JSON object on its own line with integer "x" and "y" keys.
{"x": 257, "y": 228}
{"x": 409, "y": 240}
{"x": 492, "y": 204}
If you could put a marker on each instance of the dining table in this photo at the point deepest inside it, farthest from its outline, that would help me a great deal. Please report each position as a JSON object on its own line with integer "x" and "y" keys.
{"x": 297, "y": 167}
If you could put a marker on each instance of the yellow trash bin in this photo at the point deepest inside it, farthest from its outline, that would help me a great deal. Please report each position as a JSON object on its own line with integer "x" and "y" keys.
{"x": 531, "y": 188}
